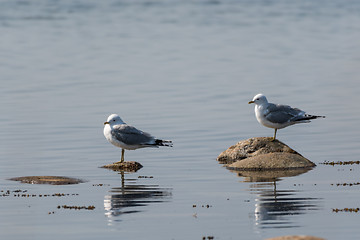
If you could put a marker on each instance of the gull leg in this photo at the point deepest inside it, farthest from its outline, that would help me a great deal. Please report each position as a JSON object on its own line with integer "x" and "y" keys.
{"x": 122, "y": 155}
{"x": 274, "y": 135}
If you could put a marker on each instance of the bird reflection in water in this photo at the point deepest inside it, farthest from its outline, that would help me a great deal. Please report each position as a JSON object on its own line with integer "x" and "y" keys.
{"x": 128, "y": 198}
{"x": 277, "y": 208}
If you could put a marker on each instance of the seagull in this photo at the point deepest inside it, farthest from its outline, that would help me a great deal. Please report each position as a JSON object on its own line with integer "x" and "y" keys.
{"x": 118, "y": 133}
{"x": 278, "y": 116}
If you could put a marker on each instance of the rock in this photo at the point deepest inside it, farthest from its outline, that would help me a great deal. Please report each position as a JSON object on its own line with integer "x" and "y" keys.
{"x": 299, "y": 237}
{"x": 272, "y": 161}
{"x": 261, "y": 153}
{"x": 124, "y": 166}
{"x": 53, "y": 180}
{"x": 253, "y": 147}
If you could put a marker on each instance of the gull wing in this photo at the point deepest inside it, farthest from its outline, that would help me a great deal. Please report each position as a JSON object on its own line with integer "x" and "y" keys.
{"x": 277, "y": 113}
{"x": 131, "y": 135}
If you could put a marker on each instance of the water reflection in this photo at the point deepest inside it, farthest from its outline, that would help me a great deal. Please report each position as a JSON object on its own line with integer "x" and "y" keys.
{"x": 130, "y": 196}
{"x": 269, "y": 176}
{"x": 277, "y": 208}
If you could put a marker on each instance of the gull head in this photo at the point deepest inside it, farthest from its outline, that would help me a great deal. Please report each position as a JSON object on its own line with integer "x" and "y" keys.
{"x": 259, "y": 99}
{"x": 114, "y": 119}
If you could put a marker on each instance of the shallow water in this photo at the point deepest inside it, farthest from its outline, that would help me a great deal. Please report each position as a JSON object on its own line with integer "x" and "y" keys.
{"x": 181, "y": 70}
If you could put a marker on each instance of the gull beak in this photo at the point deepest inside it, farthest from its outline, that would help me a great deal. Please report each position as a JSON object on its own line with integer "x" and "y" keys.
{"x": 106, "y": 123}
{"x": 251, "y": 102}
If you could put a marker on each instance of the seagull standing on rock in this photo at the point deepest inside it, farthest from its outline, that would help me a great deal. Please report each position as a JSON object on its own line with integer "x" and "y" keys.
{"x": 278, "y": 116}
{"x": 118, "y": 133}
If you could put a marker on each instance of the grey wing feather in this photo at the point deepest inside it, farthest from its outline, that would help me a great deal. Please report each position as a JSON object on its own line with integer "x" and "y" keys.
{"x": 283, "y": 113}
{"x": 132, "y": 136}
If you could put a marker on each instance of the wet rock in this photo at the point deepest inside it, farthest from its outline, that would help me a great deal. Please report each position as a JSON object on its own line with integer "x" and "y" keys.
{"x": 253, "y": 147}
{"x": 124, "y": 166}
{"x": 272, "y": 161}
{"x": 53, "y": 180}
{"x": 263, "y": 154}
{"x": 299, "y": 237}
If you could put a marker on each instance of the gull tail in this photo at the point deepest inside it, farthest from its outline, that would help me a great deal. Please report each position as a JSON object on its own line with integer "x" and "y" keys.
{"x": 308, "y": 117}
{"x": 166, "y": 143}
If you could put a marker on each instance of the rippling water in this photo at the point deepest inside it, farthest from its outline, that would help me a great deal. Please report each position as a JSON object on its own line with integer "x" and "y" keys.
{"x": 181, "y": 70}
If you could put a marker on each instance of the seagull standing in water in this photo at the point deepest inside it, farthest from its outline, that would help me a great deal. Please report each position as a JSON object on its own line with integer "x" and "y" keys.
{"x": 118, "y": 133}
{"x": 278, "y": 116}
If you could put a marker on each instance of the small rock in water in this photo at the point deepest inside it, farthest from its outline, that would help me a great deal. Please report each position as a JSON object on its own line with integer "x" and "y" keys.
{"x": 53, "y": 180}
{"x": 124, "y": 166}
{"x": 296, "y": 237}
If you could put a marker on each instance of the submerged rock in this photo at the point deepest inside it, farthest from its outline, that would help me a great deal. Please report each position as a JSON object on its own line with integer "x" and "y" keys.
{"x": 53, "y": 180}
{"x": 262, "y": 154}
{"x": 298, "y": 237}
{"x": 124, "y": 166}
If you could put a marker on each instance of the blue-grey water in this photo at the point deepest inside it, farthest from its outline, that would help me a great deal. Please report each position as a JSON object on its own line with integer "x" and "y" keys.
{"x": 181, "y": 70}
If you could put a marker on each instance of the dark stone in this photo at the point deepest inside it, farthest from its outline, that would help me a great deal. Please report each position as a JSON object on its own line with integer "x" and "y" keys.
{"x": 124, "y": 166}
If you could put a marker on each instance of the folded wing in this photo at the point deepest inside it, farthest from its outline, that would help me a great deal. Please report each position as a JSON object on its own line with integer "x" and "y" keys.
{"x": 131, "y": 135}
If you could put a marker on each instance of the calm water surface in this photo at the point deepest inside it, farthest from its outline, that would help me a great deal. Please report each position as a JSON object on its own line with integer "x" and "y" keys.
{"x": 181, "y": 70}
